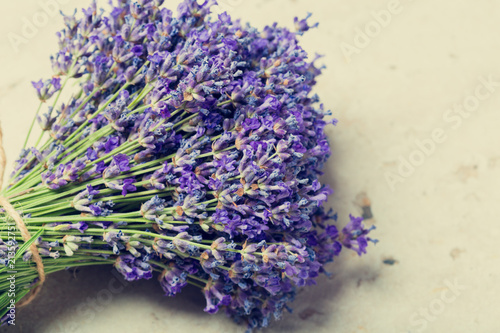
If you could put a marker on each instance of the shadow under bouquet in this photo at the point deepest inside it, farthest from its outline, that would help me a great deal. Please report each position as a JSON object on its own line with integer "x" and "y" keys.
{"x": 190, "y": 149}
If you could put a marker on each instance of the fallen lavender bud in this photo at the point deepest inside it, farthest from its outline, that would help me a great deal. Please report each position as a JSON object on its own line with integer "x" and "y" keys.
{"x": 191, "y": 147}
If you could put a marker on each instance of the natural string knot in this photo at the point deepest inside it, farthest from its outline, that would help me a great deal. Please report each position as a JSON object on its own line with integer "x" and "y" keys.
{"x": 9, "y": 209}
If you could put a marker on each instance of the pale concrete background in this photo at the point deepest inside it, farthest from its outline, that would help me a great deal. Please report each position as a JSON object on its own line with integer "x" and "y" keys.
{"x": 437, "y": 219}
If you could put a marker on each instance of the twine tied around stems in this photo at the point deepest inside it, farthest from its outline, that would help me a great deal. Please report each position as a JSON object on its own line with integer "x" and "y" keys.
{"x": 9, "y": 209}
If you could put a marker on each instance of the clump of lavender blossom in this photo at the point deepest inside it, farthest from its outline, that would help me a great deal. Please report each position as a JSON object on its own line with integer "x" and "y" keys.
{"x": 191, "y": 147}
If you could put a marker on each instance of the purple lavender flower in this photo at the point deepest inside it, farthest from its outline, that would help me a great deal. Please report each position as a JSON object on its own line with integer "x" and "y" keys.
{"x": 192, "y": 148}
{"x": 354, "y": 235}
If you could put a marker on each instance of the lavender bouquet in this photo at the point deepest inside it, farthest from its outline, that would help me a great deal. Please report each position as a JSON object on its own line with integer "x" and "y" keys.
{"x": 190, "y": 148}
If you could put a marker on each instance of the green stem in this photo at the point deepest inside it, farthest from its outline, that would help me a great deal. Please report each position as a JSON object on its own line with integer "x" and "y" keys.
{"x": 32, "y": 125}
